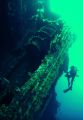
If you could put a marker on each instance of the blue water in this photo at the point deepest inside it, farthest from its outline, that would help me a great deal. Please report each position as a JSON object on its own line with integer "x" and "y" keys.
{"x": 72, "y": 102}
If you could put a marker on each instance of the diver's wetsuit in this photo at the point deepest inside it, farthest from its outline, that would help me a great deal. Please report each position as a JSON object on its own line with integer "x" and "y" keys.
{"x": 71, "y": 76}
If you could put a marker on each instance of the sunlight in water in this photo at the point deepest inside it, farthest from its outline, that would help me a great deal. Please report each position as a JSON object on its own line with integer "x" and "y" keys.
{"x": 71, "y": 107}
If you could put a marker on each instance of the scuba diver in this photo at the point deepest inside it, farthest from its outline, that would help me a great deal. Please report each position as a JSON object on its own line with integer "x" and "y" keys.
{"x": 71, "y": 76}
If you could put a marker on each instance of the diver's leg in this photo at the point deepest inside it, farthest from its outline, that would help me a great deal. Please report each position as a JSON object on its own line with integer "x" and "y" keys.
{"x": 68, "y": 81}
{"x": 72, "y": 82}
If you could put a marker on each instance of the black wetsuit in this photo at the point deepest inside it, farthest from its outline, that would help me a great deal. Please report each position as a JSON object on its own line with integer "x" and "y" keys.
{"x": 71, "y": 75}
